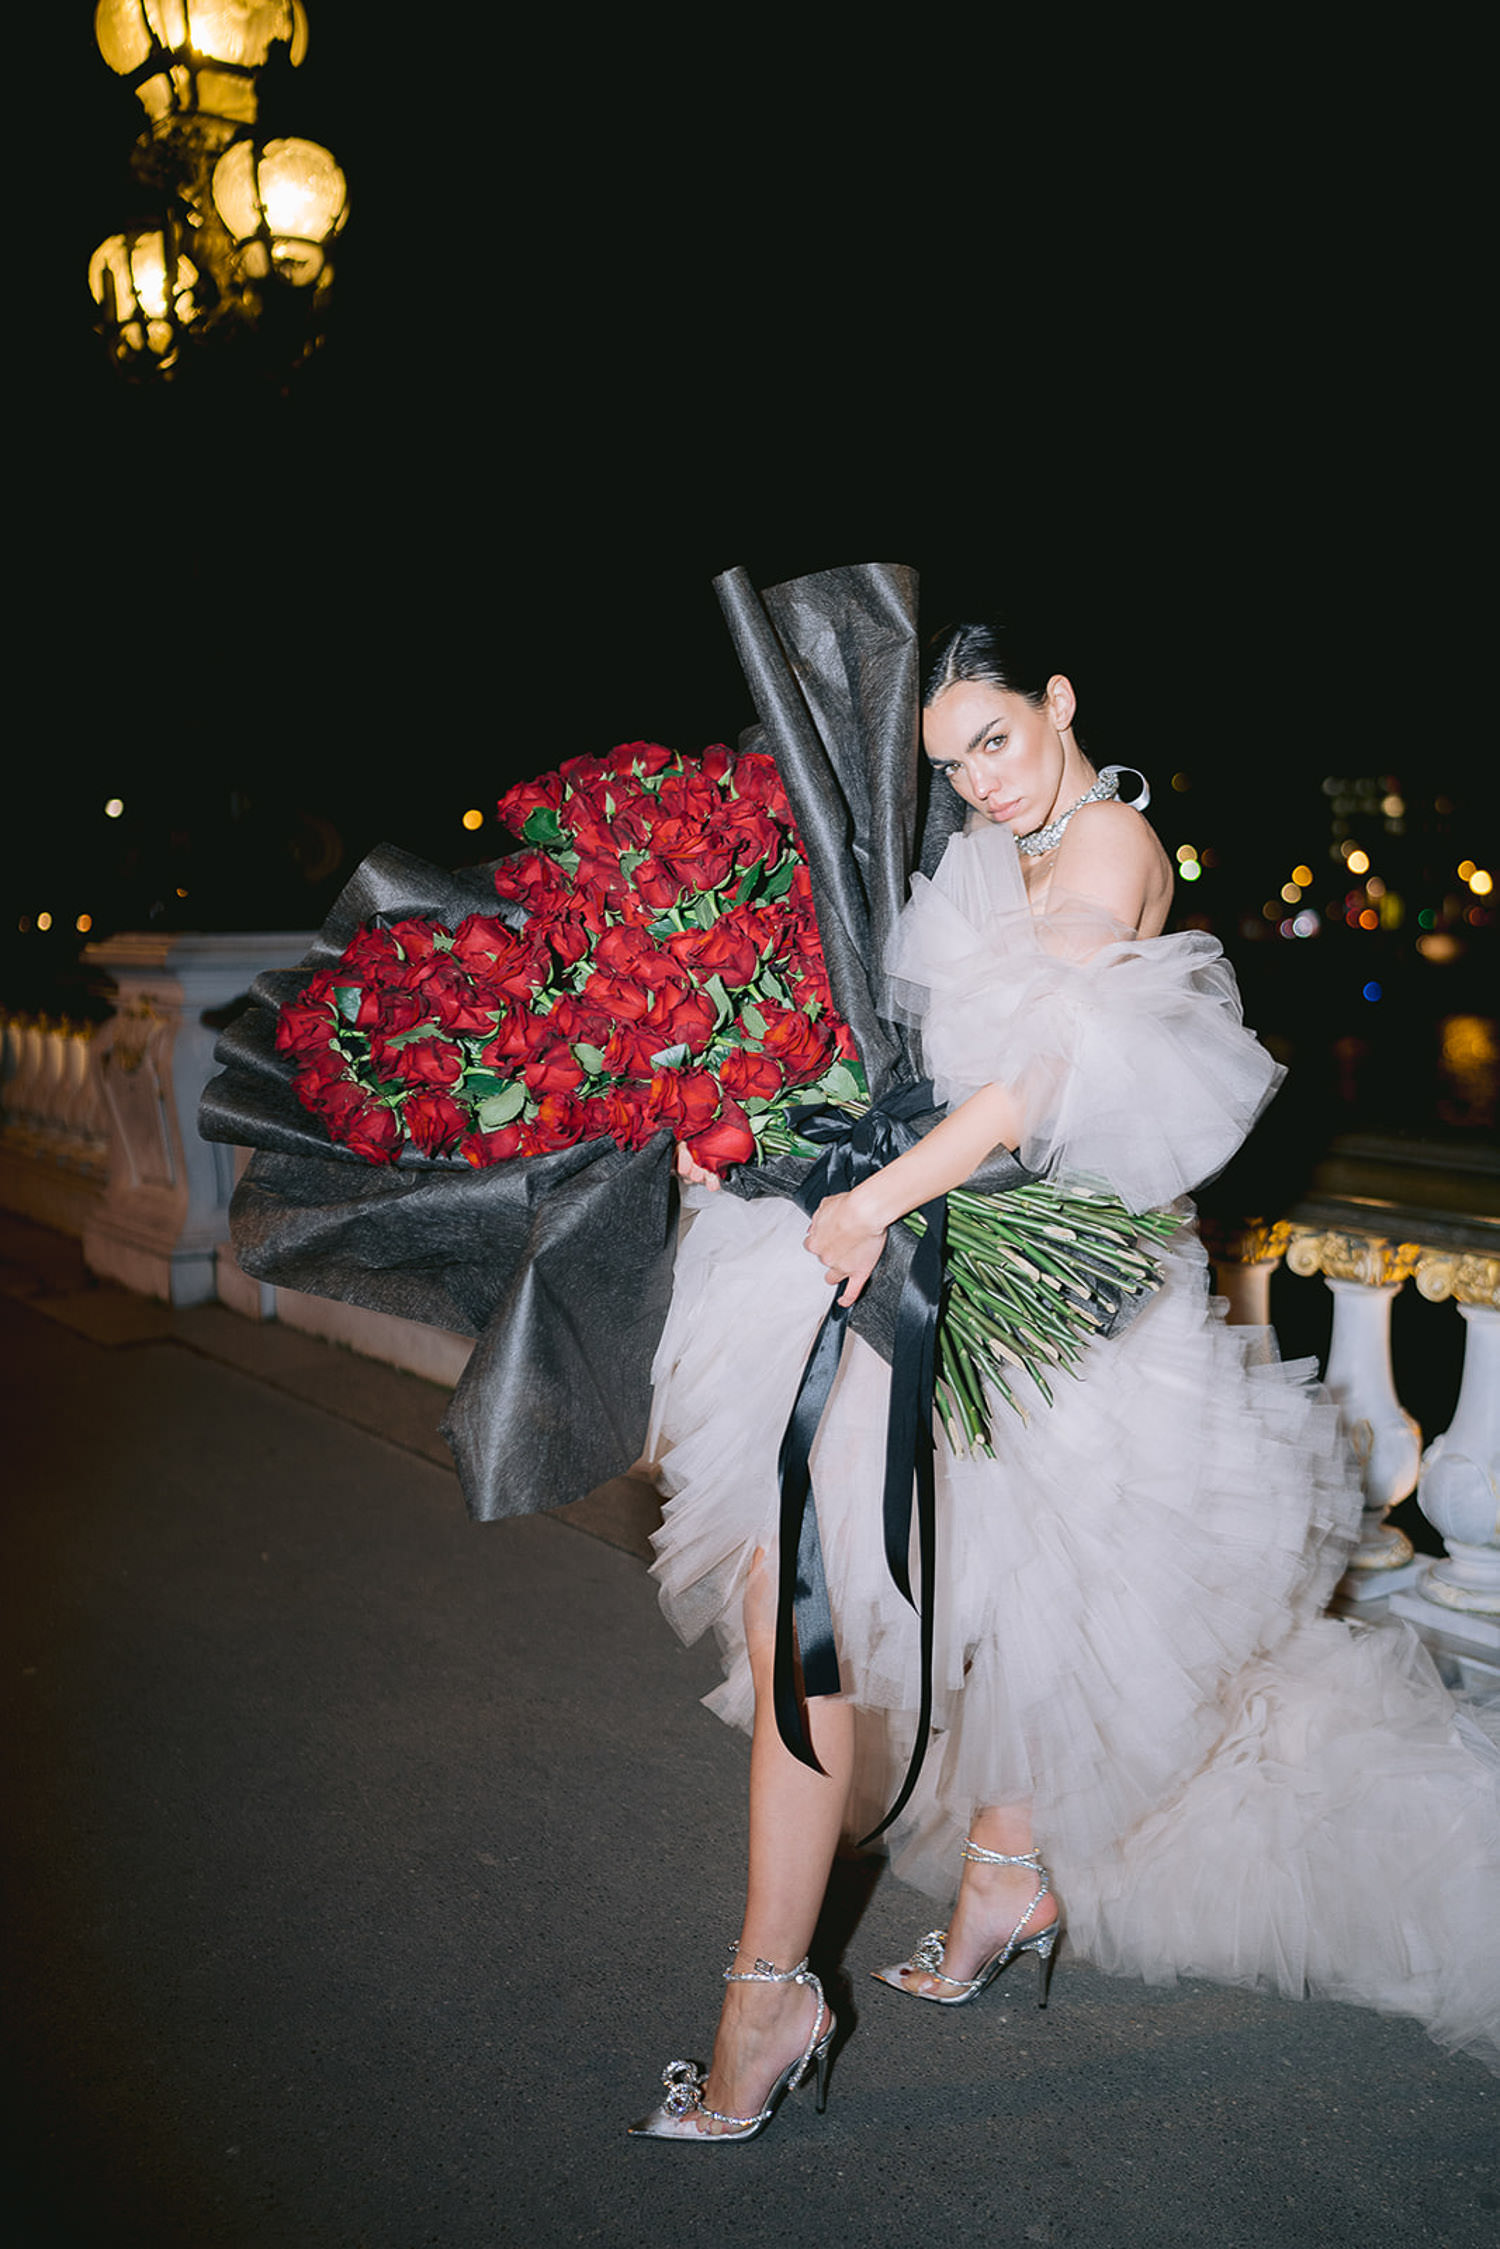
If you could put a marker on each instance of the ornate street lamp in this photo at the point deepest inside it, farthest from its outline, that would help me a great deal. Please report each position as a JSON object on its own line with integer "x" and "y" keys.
{"x": 197, "y": 56}
{"x": 282, "y": 204}
{"x": 146, "y": 291}
{"x": 257, "y": 217}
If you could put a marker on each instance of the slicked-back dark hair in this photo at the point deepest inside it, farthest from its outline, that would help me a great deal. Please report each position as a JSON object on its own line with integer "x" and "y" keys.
{"x": 996, "y": 654}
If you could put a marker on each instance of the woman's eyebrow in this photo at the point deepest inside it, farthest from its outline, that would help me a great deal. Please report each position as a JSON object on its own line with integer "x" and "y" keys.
{"x": 983, "y": 731}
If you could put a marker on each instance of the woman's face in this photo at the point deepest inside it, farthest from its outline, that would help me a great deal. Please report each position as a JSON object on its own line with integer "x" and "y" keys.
{"x": 1003, "y": 755}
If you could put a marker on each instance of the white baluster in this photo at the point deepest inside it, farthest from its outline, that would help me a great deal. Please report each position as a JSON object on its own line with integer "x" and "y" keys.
{"x": 1386, "y": 1442}
{"x": 1457, "y": 1600}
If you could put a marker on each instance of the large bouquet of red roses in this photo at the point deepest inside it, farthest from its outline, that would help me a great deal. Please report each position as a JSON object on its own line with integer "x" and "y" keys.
{"x": 666, "y": 975}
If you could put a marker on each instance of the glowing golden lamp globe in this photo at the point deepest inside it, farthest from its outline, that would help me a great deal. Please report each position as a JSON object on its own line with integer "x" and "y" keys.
{"x": 145, "y": 291}
{"x": 283, "y": 202}
{"x": 204, "y": 51}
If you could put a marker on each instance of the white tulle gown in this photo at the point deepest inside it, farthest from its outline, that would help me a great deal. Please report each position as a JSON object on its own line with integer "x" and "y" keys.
{"x": 1129, "y": 1597}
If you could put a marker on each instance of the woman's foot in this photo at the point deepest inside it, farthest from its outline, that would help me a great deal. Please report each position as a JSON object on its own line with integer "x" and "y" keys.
{"x": 774, "y": 2027}
{"x": 992, "y": 1908}
{"x": 763, "y": 2029}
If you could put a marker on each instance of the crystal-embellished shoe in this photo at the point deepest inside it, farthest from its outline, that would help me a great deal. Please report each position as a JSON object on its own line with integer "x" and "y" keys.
{"x": 927, "y": 1960}
{"x": 680, "y": 2113}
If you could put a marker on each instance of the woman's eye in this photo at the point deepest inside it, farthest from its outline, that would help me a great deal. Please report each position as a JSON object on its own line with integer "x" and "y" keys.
{"x": 996, "y": 742}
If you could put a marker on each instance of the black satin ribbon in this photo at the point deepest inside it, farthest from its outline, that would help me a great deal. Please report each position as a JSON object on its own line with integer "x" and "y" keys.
{"x": 853, "y": 1149}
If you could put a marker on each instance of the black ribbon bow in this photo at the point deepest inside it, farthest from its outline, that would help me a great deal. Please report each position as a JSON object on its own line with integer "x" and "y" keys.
{"x": 854, "y": 1148}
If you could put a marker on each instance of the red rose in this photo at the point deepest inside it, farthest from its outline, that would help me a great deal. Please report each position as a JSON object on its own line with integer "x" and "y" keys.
{"x": 305, "y": 1026}
{"x": 750, "y": 1076}
{"x": 543, "y": 794}
{"x": 620, "y": 997}
{"x": 534, "y": 880}
{"x": 365, "y": 1125}
{"x": 628, "y": 1051}
{"x": 728, "y": 1140}
{"x": 429, "y": 1062}
{"x": 626, "y": 950}
{"x": 718, "y": 762}
{"x": 801, "y": 1046}
{"x": 720, "y": 951}
{"x": 389, "y": 1009}
{"x": 622, "y": 1115}
{"x": 755, "y": 776}
{"x": 659, "y": 885}
{"x": 575, "y": 1019}
{"x": 682, "y": 1018}
{"x": 484, "y": 1148}
{"x": 555, "y": 1071}
{"x": 497, "y": 958}
{"x": 417, "y": 939}
{"x": 578, "y": 772}
{"x": 640, "y": 757}
{"x": 511, "y": 1042}
{"x": 688, "y": 796}
{"x": 374, "y": 1134}
{"x": 692, "y": 852}
{"x": 433, "y": 1120}
{"x": 316, "y": 1073}
{"x": 558, "y": 1123}
{"x": 372, "y": 956}
{"x": 755, "y": 834}
{"x": 687, "y": 1100}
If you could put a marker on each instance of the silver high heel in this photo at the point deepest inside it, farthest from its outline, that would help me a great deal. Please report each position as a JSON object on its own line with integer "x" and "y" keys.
{"x": 927, "y": 1960}
{"x": 676, "y": 2118}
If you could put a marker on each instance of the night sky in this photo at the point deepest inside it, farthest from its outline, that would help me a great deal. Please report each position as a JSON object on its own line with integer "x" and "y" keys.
{"x": 1166, "y": 360}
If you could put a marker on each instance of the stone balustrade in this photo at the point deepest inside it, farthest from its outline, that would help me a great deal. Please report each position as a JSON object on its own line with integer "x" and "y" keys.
{"x": 1380, "y": 1217}
{"x": 98, "y": 1137}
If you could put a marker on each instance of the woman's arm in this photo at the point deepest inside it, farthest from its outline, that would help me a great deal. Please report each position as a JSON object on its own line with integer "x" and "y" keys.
{"x": 848, "y": 1232}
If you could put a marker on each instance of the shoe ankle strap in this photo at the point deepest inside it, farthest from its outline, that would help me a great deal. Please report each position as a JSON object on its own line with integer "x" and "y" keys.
{"x": 982, "y": 1857}
{"x": 764, "y": 1972}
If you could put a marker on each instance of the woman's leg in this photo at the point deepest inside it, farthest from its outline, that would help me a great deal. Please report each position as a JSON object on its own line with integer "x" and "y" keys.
{"x": 796, "y": 1818}
{"x": 991, "y": 1899}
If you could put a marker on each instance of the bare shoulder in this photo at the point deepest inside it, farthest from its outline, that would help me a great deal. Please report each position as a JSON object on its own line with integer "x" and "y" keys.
{"x": 1111, "y": 854}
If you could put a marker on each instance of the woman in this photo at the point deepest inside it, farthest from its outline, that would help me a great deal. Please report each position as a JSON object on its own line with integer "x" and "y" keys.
{"x": 1141, "y": 1712}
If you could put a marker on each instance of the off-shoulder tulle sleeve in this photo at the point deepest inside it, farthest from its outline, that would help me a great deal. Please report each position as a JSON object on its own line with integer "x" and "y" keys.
{"x": 1129, "y": 1056}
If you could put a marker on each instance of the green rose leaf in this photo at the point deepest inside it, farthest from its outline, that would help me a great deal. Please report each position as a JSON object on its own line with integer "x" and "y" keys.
{"x": 840, "y": 1083}
{"x": 588, "y": 1057}
{"x": 672, "y": 1057}
{"x": 543, "y": 827}
{"x": 779, "y": 882}
{"x": 347, "y": 998}
{"x": 501, "y": 1108}
{"x": 723, "y": 1007}
{"x": 753, "y": 1020}
{"x": 747, "y": 887}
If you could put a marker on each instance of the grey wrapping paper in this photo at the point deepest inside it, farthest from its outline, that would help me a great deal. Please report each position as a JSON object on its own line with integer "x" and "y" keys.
{"x": 561, "y": 1265}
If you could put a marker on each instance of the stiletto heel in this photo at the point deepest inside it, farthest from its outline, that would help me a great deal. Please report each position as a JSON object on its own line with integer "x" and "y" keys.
{"x": 927, "y": 1959}
{"x": 676, "y": 2118}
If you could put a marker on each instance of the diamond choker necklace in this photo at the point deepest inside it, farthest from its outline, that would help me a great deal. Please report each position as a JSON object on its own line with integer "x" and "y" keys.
{"x": 1104, "y": 791}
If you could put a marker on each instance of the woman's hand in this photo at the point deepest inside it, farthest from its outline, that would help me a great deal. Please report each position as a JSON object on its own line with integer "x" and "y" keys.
{"x": 844, "y": 1242}
{"x": 694, "y": 1174}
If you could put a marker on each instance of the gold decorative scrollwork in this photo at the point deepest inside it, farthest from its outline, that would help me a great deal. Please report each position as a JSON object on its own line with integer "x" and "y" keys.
{"x": 1367, "y": 1258}
{"x": 1465, "y": 1276}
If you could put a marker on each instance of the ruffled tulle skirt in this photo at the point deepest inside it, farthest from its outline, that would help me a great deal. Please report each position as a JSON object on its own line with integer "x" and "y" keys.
{"x": 1128, "y": 1635}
